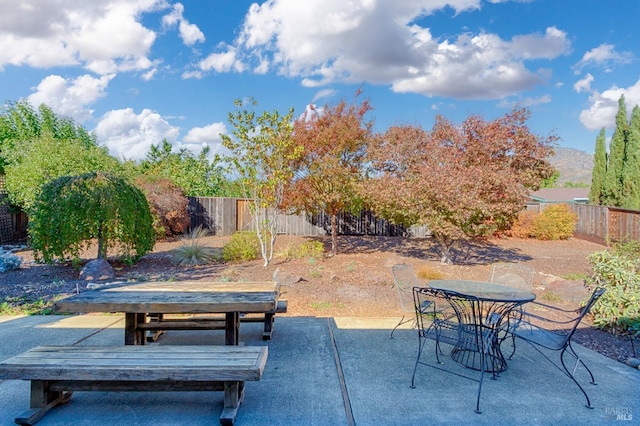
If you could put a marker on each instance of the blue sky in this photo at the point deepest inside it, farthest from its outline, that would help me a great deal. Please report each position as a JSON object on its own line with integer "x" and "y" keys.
{"x": 138, "y": 71}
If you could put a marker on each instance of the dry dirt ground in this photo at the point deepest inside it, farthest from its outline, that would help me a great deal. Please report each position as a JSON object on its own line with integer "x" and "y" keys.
{"x": 356, "y": 282}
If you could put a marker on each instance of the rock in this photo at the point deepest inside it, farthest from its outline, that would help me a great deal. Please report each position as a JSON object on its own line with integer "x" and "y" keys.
{"x": 633, "y": 362}
{"x": 569, "y": 290}
{"x": 97, "y": 269}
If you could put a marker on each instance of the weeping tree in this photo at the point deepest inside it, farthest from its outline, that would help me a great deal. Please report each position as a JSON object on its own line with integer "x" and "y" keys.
{"x": 72, "y": 212}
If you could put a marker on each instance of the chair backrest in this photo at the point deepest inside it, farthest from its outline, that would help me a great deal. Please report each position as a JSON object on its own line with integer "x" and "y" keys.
{"x": 562, "y": 329}
{"x": 513, "y": 275}
{"x": 404, "y": 279}
{"x": 597, "y": 293}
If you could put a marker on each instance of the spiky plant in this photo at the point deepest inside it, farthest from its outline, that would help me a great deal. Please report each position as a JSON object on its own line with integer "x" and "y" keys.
{"x": 192, "y": 251}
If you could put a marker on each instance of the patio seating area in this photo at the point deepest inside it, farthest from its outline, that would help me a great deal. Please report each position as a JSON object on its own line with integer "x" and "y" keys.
{"x": 338, "y": 371}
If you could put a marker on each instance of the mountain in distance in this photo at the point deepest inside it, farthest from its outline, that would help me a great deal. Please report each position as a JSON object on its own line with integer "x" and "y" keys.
{"x": 574, "y": 165}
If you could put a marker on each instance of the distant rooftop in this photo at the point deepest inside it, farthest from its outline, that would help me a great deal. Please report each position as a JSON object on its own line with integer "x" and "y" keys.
{"x": 559, "y": 195}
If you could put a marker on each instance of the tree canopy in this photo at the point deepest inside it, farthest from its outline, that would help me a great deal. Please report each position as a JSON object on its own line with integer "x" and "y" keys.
{"x": 20, "y": 123}
{"x": 616, "y": 175}
{"x": 71, "y": 212}
{"x": 37, "y": 161}
{"x": 597, "y": 190}
{"x": 197, "y": 176}
{"x": 263, "y": 155}
{"x": 331, "y": 165}
{"x": 466, "y": 180}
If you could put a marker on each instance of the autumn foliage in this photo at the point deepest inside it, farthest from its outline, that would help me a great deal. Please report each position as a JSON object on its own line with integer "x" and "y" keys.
{"x": 463, "y": 181}
{"x": 327, "y": 175}
{"x": 168, "y": 205}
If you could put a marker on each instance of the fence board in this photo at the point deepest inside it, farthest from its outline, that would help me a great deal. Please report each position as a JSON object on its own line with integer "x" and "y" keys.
{"x": 224, "y": 217}
{"x": 624, "y": 224}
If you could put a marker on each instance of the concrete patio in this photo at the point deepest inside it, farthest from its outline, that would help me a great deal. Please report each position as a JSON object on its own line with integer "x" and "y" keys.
{"x": 330, "y": 371}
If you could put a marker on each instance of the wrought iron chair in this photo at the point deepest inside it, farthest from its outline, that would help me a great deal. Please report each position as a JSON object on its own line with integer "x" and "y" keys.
{"x": 447, "y": 317}
{"x": 514, "y": 275}
{"x": 404, "y": 279}
{"x": 555, "y": 335}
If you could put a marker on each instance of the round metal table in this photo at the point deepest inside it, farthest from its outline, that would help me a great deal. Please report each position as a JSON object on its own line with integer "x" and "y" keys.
{"x": 481, "y": 308}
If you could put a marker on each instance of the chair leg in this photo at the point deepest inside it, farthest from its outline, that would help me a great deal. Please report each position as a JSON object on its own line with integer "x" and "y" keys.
{"x": 513, "y": 345}
{"x": 573, "y": 352}
{"x": 421, "y": 342}
{"x": 572, "y": 375}
{"x": 479, "y": 390}
{"x": 397, "y": 325}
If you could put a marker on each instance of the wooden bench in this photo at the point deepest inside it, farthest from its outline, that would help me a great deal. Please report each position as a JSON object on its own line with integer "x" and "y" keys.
{"x": 159, "y": 323}
{"x": 56, "y": 371}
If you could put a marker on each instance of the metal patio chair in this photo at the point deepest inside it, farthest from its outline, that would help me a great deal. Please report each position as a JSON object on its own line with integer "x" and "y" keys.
{"x": 404, "y": 279}
{"x": 556, "y": 334}
{"x": 514, "y": 275}
{"x": 449, "y": 318}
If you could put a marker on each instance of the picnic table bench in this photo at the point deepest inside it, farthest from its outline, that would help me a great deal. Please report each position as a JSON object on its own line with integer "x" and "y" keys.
{"x": 159, "y": 323}
{"x": 56, "y": 371}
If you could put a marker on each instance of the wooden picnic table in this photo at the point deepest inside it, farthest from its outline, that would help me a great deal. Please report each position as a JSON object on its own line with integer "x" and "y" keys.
{"x": 138, "y": 300}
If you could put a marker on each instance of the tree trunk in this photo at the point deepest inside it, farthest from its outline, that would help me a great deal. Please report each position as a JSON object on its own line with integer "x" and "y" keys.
{"x": 102, "y": 246}
{"x": 445, "y": 248}
{"x": 334, "y": 235}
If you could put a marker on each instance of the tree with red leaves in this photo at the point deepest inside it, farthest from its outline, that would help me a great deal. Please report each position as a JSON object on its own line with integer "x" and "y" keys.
{"x": 334, "y": 144}
{"x": 462, "y": 181}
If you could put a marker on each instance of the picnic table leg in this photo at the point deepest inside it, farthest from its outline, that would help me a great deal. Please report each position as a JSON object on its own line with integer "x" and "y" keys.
{"x": 155, "y": 335}
{"x": 42, "y": 400}
{"x": 132, "y": 335}
{"x": 233, "y": 396}
{"x": 269, "y": 318}
{"x": 231, "y": 328}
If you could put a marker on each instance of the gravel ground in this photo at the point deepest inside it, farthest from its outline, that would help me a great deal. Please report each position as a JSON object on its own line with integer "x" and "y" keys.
{"x": 356, "y": 282}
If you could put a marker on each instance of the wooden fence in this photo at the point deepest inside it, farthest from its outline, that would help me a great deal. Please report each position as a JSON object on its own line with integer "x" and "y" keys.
{"x": 224, "y": 216}
{"x": 601, "y": 223}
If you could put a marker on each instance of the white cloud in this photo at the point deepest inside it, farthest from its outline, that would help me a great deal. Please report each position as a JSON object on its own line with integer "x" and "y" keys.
{"x": 604, "y": 106}
{"x": 604, "y": 56}
{"x": 327, "y": 41}
{"x": 70, "y": 97}
{"x": 149, "y": 74}
{"x": 192, "y": 74}
{"x": 207, "y": 134}
{"x": 224, "y": 61}
{"x": 198, "y": 138}
{"x": 189, "y": 33}
{"x": 324, "y": 93}
{"x": 130, "y": 135}
{"x": 104, "y": 37}
{"x": 584, "y": 84}
{"x": 526, "y": 102}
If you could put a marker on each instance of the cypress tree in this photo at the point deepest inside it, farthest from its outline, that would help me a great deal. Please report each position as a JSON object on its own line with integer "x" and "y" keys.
{"x": 596, "y": 193}
{"x": 613, "y": 180}
{"x": 631, "y": 170}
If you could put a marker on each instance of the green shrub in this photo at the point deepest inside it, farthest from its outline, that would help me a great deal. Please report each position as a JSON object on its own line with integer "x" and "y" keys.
{"x": 243, "y": 246}
{"x": 286, "y": 253}
{"x": 310, "y": 249}
{"x": 192, "y": 251}
{"x": 617, "y": 269}
{"x": 556, "y": 222}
